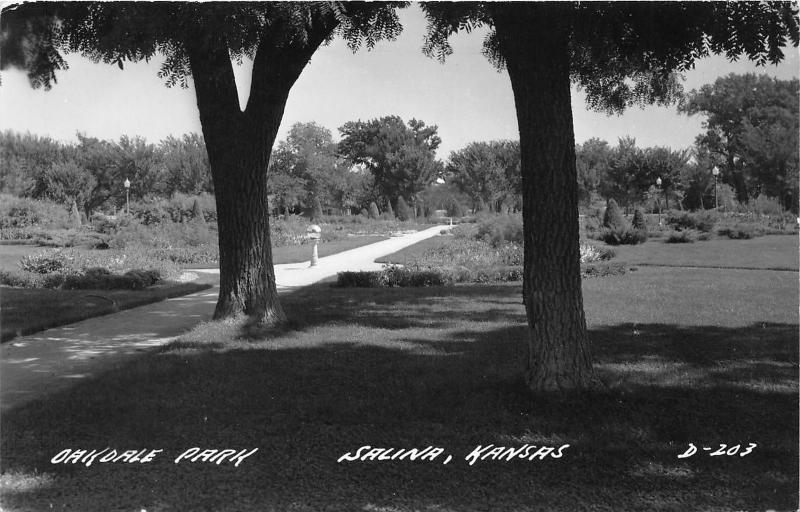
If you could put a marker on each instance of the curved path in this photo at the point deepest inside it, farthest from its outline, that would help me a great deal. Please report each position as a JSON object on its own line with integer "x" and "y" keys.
{"x": 31, "y": 366}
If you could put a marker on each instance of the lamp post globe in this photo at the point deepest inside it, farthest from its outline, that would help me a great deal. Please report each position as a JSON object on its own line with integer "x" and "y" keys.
{"x": 127, "y": 184}
{"x": 715, "y": 172}
{"x": 658, "y": 201}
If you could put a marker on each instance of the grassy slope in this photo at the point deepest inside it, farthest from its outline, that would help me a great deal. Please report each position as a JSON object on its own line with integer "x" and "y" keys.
{"x": 702, "y": 356}
{"x": 25, "y": 311}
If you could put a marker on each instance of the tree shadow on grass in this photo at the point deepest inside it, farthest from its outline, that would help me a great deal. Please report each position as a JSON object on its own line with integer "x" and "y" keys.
{"x": 306, "y": 397}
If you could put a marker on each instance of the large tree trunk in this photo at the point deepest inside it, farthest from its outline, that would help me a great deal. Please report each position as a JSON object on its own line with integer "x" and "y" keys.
{"x": 239, "y": 144}
{"x": 534, "y": 42}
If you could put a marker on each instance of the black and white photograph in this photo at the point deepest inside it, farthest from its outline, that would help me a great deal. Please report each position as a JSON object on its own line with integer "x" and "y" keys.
{"x": 399, "y": 256}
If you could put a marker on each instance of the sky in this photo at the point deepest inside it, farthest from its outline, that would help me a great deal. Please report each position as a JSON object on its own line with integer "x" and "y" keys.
{"x": 465, "y": 97}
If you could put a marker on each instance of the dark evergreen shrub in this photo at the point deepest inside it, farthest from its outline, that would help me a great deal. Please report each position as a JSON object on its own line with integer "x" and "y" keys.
{"x": 638, "y": 220}
{"x": 373, "y": 211}
{"x": 197, "y": 212}
{"x": 403, "y": 210}
{"x": 613, "y": 218}
{"x": 316, "y": 210}
{"x": 685, "y": 236}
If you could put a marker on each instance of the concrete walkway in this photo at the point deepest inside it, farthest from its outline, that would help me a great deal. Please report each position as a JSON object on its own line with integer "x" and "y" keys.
{"x": 42, "y": 363}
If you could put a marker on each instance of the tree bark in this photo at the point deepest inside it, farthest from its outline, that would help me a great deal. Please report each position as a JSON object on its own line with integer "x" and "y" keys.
{"x": 534, "y": 40}
{"x": 239, "y": 144}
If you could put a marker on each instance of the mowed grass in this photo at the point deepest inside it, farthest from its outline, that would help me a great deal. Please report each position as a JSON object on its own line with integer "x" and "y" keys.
{"x": 26, "y": 311}
{"x": 689, "y": 356}
{"x": 300, "y": 253}
{"x": 779, "y": 252}
{"x": 412, "y": 252}
{"x": 772, "y": 252}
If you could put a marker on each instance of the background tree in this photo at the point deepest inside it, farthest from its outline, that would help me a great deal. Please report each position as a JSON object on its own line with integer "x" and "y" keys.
{"x": 102, "y": 160}
{"x": 185, "y": 162}
{"x": 198, "y": 40}
{"x": 65, "y": 182}
{"x": 486, "y": 172}
{"x": 404, "y": 212}
{"x": 591, "y": 162}
{"x": 401, "y": 158}
{"x": 752, "y": 130}
{"x": 624, "y": 173}
{"x": 620, "y": 54}
{"x": 24, "y": 157}
{"x": 308, "y": 159}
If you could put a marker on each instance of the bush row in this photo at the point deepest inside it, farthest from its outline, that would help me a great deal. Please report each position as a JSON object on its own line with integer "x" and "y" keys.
{"x": 71, "y": 269}
{"x": 393, "y": 276}
{"x": 91, "y": 279}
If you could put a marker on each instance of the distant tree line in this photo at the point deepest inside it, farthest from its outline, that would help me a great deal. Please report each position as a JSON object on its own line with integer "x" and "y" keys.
{"x": 751, "y": 137}
{"x": 92, "y": 172}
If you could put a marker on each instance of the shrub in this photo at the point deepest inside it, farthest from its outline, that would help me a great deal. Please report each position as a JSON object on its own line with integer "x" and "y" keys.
{"x": 92, "y": 279}
{"x": 681, "y": 237}
{"x": 739, "y": 232}
{"x": 700, "y": 221}
{"x": 638, "y": 220}
{"x": 627, "y": 236}
{"x": 178, "y": 208}
{"x": 602, "y": 269}
{"x": 403, "y": 210}
{"x": 389, "y": 213}
{"x": 71, "y": 262}
{"x": 70, "y": 238}
{"x": 316, "y": 212}
{"x": 393, "y": 276}
{"x": 613, "y": 219}
{"x": 19, "y": 212}
{"x": 373, "y": 211}
{"x": 591, "y": 253}
{"x": 20, "y": 279}
{"x": 74, "y": 216}
{"x": 197, "y": 212}
{"x": 454, "y": 208}
{"x": 48, "y": 262}
{"x": 497, "y": 230}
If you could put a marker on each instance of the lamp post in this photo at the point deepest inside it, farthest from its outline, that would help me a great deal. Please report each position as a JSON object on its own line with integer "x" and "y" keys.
{"x": 715, "y": 172}
{"x": 127, "y": 184}
{"x": 658, "y": 184}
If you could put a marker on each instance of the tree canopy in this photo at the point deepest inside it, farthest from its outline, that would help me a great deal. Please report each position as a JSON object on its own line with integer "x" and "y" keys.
{"x": 752, "y": 133}
{"x": 400, "y": 156}
{"x": 488, "y": 172}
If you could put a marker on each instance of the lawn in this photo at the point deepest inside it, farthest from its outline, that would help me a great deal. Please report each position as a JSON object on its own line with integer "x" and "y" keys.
{"x": 776, "y": 252}
{"x": 11, "y": 254}
{"x": 766, "y": 252}
{"x": 699, "y": 356}
{"x": 25, "y": 311}
{"x": 300, "y": 253}
{"x": 412, "y": 252}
